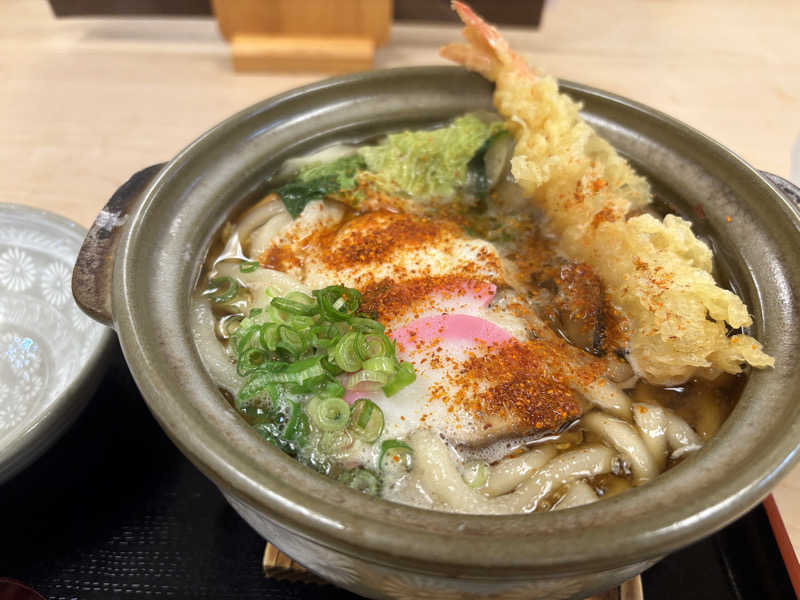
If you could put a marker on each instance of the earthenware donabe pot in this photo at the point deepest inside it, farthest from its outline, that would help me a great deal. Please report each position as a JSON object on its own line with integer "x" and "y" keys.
{"x": 144, "y": 253}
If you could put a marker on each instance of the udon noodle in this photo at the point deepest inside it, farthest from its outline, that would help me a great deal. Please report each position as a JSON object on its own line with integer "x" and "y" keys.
{"x": 485, "y": 316}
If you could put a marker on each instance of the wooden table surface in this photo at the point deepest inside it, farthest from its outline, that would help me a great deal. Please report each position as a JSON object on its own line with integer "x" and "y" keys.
{"x": 86, "y": 102}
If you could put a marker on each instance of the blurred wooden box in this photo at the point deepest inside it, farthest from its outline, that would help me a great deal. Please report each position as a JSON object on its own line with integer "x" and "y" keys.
{"x": 307, "y": 35}
{"x": 343, "y": 18}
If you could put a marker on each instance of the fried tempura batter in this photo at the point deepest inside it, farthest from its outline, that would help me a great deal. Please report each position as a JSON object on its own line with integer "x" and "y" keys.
{"x": 657, "y": 272}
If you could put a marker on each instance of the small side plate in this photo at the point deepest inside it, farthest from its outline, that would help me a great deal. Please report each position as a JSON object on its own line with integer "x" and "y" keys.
{"x": 51, "y": 354}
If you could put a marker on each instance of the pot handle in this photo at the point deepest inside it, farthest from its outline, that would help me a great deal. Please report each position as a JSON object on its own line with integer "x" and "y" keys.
{"x": 91, "y": 277}
{"x": 785, "y": 187}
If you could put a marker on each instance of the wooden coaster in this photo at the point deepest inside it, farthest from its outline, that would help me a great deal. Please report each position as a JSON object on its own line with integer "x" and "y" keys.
{"x": 279, "y": 566}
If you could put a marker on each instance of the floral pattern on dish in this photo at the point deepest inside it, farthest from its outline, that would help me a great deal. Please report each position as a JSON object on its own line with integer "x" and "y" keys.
{"x": 55, "y": 281}
{"x": 16, "y": 270}
{"x": 45, "y": 339}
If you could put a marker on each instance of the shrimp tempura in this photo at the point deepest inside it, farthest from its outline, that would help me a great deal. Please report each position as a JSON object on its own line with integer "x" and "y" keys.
{"x": 657, "y": 272}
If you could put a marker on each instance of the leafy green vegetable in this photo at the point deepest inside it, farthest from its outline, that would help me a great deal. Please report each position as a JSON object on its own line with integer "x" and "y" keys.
{"x": 421, "y": 164}
{"x": 344, "y": 170}
{"x": 314, "y": 182}
{"x": 296, "y": 194}
{"x": 428, "y": 163}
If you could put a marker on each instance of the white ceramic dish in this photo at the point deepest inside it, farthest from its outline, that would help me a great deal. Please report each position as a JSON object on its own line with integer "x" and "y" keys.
{"x": 51, "y": 353}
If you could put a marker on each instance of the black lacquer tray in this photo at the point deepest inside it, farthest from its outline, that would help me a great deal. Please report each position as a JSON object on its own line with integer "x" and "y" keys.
{"x": 114, "y": 510}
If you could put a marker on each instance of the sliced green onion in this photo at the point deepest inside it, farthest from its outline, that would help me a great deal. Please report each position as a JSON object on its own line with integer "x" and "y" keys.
{"x": 367, "y": 381}
{"x": 258, "y": 387}
{"x": 274, "y": 366}
{"x": 273, "y": 351}
{"x": 333, "y": 442}
{"x": 324, "y": 385}
{"x": 251, "y": 360}
{"x": 222, "y": 289}
{"x": 250, "y": 321}
{"x": 246, "y": 337}
{"x": 475, "y": 474}
{"x": 384, "y": 364}
{"x": 291, "y": 340}
{"x": 300, "y": 322}
{"x": 294, "y": 307}
{"x": 297, "y": 425}
{"x": 345, "y": 354}
{"x": 269, "y": 336}
{"x": 300, "y": 377}
{"x": 309, "y": 385}
{"x": 274, "y": 314}
{"x": 302, "y": 298}
{"x": 337, "y": 303}
{"x": 397, "y": 451}
{"x": 324, "y": 336}
{"x": 361, "y": 480}
{"x": 366, "y": 325}
{"x": 334, "y": 388}
{"x": 330, "y": 414}
{"x": 248, "y": 266}
{"x": 332, "y": 368}
{"x": 341, "y": 327}
{"x": 271, "y": 292}
{"x": 404, "y": 376}
{"x": 313, "y": 405}
{"x": 278, "y": 372}
{"x": 366, "y": 420}
{"x": 229, "y": 324}
{"x": 305, "y": 364}
{"x": 370, "y": 345}
{"x": 352, "y": 300}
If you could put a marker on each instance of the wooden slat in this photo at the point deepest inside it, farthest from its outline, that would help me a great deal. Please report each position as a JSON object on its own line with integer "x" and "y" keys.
{"x": 278, "y": 565}
{"x": 290, "y": 54}
{"x": 632, "y": 589}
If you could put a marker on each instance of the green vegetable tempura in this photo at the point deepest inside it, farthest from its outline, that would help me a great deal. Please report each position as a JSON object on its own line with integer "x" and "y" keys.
{"x": 428, "y": 163}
